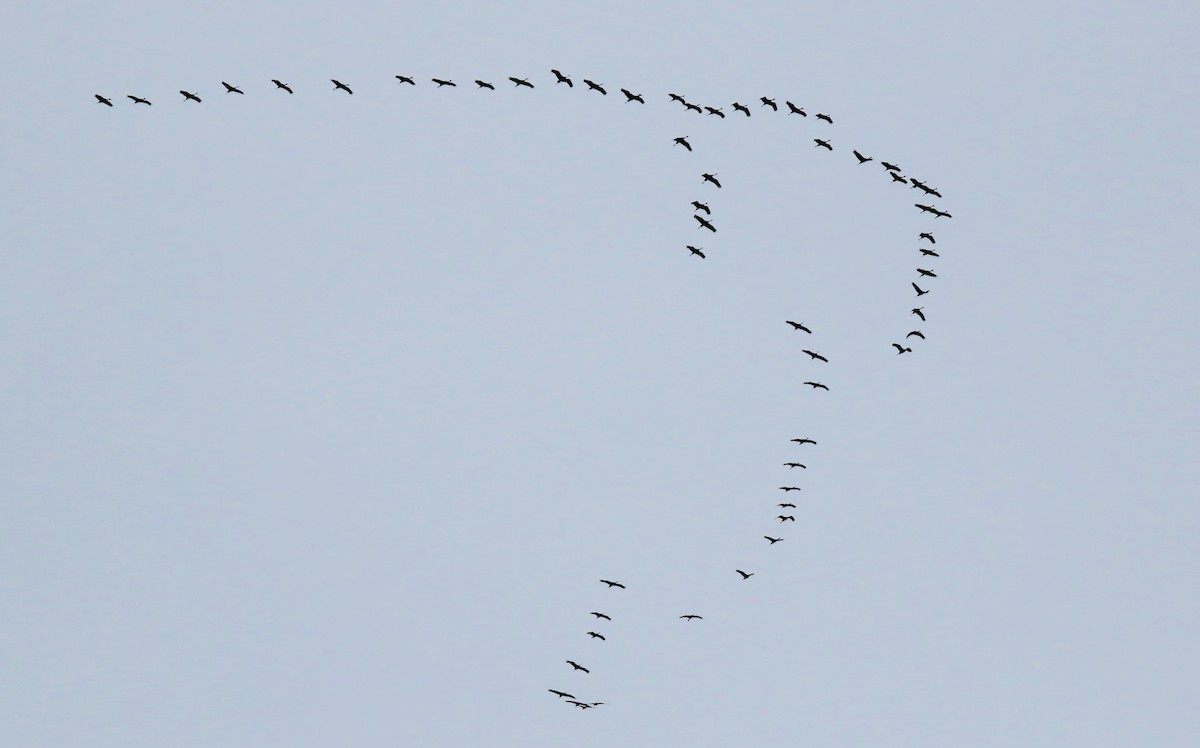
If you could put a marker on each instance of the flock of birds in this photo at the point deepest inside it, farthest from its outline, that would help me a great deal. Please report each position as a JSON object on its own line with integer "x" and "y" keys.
{"x": 702, "y": 213}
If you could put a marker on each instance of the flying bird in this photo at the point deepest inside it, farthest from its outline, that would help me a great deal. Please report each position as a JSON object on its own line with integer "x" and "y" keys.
{"x": 789, "y": 488}
{"x": 805, "y": 440}
{"x": 897, "y": 178}
{"x": 785, "y": 518}
{"x": 518, "y": 82}
{"x": 406, "y": 79}
{"x": 741, "y": 108}
{"x": 701, "y": 206}
{"x": 814, "y": 355}
{"x": 924, "y": 187}
{"x": 773, "y": 540}
{"x": 562, "y": 79}
{"x": 768, "y": 102}
{"x": 711, "y": 178}
{"x": 594, "y": 635}
{"x": 917, "y": 311}
{"x": 890, "y": 167}
{"x": 484, "y": 84}
{"x": 863, "y": 159}
{"x": 918, "y": 333}
{"x": 920, "y": 291}
{"x": 817, "y": 385}
{"x": 579, "y": 704}
{"x": 696, "y": 251}
{"x": 716, "y": 111}
{"x": 928, "y": 252}
{"x": 745, "y": 574}
{"x": 901, "y": 349}
{"x": 682, "y": 140}
{"x": 795, "y": 465}
{"x": 630, "y": 96}
{"x": 926, "y": 208}
{"x": 139, "y": 100}
{"x": 793, "y": 109}
{"x": 595, "y": 86}
{"x": 577, "y": 666}
{"x": 705, "y": 224}
{"x": 612, "y": 584}
{"x": 188, "y": 95}
{"x": 677, "y": 97}
{"x": 338, "y": 84}
{"x": 926, "y": 273}
{"x": 441, "y": 82}
{"x": 284, "y": 86}
{"x": 690, "y": 616}
{"x": 822, "y": 144}
{"x": 825, "y": 117}
{"x": 927, "y": 235}
{"x": 798, "y": 326}
{"x": 786, "y": 505}
{"x": 694, "y": 107}
{"x": 101, "y": 100}
{"x": 560, "y": 694}
{"x": 231, "y": 89}
{"x": 601, "y": 615}
{"x": 940, "y": 213}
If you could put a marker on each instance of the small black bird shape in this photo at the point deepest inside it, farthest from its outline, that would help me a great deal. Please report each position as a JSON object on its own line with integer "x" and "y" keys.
{"x": 711, "y": 178}
{"x": 798, "y": 326}
{"x": 786, "y": 505}
{"x": 786, "y": 518}
{"x": 768, "y": 102}
{"x": 594, "y": 635}
{"x": 600, "y": 615}
{"x": 701, "y": 206}
{"x": 630, "y": 96}
{"x": 677, "y": 97}
{"x": 485, "y": 84}
{"x": 793, "y": 109}
{"x": 897, "y": 178}
{"x": 284, "y": 86}
{"x": 231, "y": 89}
{"x": 188, "y": 95}
{"x": 805, "y": 440}
{"x": 560, "y": 694}
{"x": 927, "y": 273}
{"x": 741, "y": 108}
{"x": 577, "y": 666}
{"x": 825, "y": 117}
{"x": 890, "y": 167}
{"x": 441, "y": 82}
{"x": 562, "y": 79}
{"x": 918, "y": 333}
{"x": 817, "y": 385}
{"x": 595, "y": 86}
{"x": 691, "y": 616}
{"x": 920, "y": 291}
{"x": 789, "y": 488}
{"x": 406, "y": 79}
{"x": 928, "y": 252}
{"x": 917, "y": 311}
{"x": 927, "y": 235}
{"x": 518, "y": 82}
{"x": 705, "y": 224}
{"x": 940, "y": 213}
{"x": 694, "y": 107}
{"x": 745, "y": 574}
{"x": 795, "y": 465}
{"x": 682, "y": 140}
{"x": 612, "y": 584}
{"x": 901, "y": 349}
{"x": 926, "y": 208}
{"x": 815, "y": 356}
{"x": 716, "y": 111}
{"x": 822, "y": 144}
{"x": 138, "y": 100}
{"x": 579, "y": 704}
{"x": 101, "y": 100}
{"x": 773, "y": 540}
{"x": 696, "y": 251}
{"x": 863, "y": 159}
{"x": 338, "y": 84}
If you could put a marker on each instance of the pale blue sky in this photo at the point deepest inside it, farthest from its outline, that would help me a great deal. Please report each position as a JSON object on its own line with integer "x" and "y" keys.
{"x": 324, "y": 413}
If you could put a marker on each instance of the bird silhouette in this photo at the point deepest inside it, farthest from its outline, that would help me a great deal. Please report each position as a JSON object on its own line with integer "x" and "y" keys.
{"x": 926, "y": 273}
{"x": 793, "y": 109}
{"x": 790, "y": 488}
{"x": 798, "y": 326}
{"x": 446, "y": 82}
{"x": 101, "y": 100}
{"x": 682, "y": 140}
{"x": 795, "y": 465}
{"x": 917, "y": 311}
{"x": 484, "y": 84}
{"x": 562, "y": 79}
{"x": 716, "y": 111}
{"x": 701, "y": 206}
{"x": 600, "y": 615}
{"x": 711, "y": 178}
{"x": 691, "y": 616}
{"x": 773, "y": 540}
{"x": 927, "y": 235}
{"x": 579, "y": 704}
{"x": 705, "y": 224}
{"x": 630, "y": 96}
{"x": 188, "y": 95}
{"x": 890, "y": 167}
{"x": 595, "y": 86}
{"x": 825, "y": 117}
{"x": 768, "y": 102}
{"x": 863, "y": 159}
{"x": 822, "y": 144}
{"x": 231, "y": 89}
{"x": 518, "y": 82}
{"x": 928, "y": 252}
{"x": 284, "y": 86}
{"x": 338, "y": 84}
{"x": 901, "y": 349}
{"x": 786, "y": 505}
{"x": 741, "y": 108}
{"x": 406, "y": 79}
{"x": 612, "y": 584}
{"x": 897, "y": 178}
{"x": 594, "y": 635}
{"x": 745, "y": 574}
{"x": 696, "y": 251}
{"x": 817, "y": 385}
{"x": 814, "y": 355}
{"x": 139, "y": 100}
{"x": 805, "y": 440}
{"x": 940, "y": 213}
{"x": 786, "y": 518}
{"x": 577, "y": 666}
{"x": 918, "y": 333}
{"x": 926, "y": 208}
{"x": 920, "y": 291}
{"x": 693, "y": 107}
{"x": 560, "y": 694}
{"x": 677, "y": 97}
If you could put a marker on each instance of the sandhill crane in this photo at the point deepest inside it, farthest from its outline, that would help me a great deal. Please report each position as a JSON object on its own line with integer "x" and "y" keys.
{"x": 705, "y": 224}
{"x": 926, "y": 273}
{"x": 786, "y": 518}
{"x": 918, "y": 333}
{"x": 790, "y": 488}
{"x": 814, "y": 355}
{"x": 701, "y": 206}
{"x": 817, "y": 385}
{"x": 595, "y": 86}
{"x": 231, "y": 89}
{"x": 826, "y": 117}
{"x": 793, "y": 109}
{"x": 798, "y": 326}
{"x": 768, "y": 102}
{"x": 925, "y": 188}
{"x": 897, "y": 178}
{"x": 677, "y": 97}
{"x": 890, "y": 167}
{"x": 189, "y": 95}
{"x": 711, "y": 178}
{"x": 139, "y": 100}
{"x": 600, "y": 615}
{"x": 773, "y": 540}
{"x": 805, "y": 440}
{"x": 926, "y": 208}
{"x": 577, "y": 666}
{"x": 612, "y": 584}
{"x": 693, "y": 107}
{"x": 484, "y": 84}
{"x": 682, "y": 140}
{"x": 338, "y": 84}
{"x": 795, "y": 465}
{"x": 928, "y": 252}
{"x": 822, "y": 144}
{"x": 901, "y": 349}
{"x": 630, "y": 96}
{"x": 716, "y": 111}
{"x": 280, "y": 84}
{"x": 446, "y": 82}
{"x": 560, "y": 694}
{"x": 927, "y": 235}
{"x": 863, "y": 159}
{"x": 560, "y": 78}
{"x": 579, "y": 704}
{"x": 741, "y": 108}
{"x": 696, "y": 251}
{"x": 101, "y": 100}
{"x": 918, "y": 310}
{"x": 940, "y": 213}
{"x": 518, "y": 82}
{"x": 920, "y": 291}
{"x": 594, "y": 635}
{"x": 786, "y": 505}
{"x": 745, "y": 574}
{"x": 406, "y": 79}
{"x": 692, "y": 616}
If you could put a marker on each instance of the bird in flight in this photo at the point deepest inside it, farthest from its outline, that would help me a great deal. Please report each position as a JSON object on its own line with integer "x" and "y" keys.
{"x": 579, "y": 704}
{"x": 630, "y": 96}
{"x": 822, "y": 144}
{"x": 789, "y": 488}
{"x": 715, "y": 110}
{"x": 741, "y": 108}
{"x": 594, "y": 635}
{"x": 793, "y": 109}
{"x": 920, "y": 291}
{"x": 940, "y": 214}
{"x": 825, "y": 117}
{"x": 701, "y": 206}
{"x": 863, "y": 159}
{"x": 924, "y": 188}
{"x": 786, "y": 505}
{"x": 518, "y": 82}
{"x": 690, "y": 616}
{"x": 745, "y": 574}
{"x": 406, "y": 79}
{"x": 815, "y": 356}
{"x": 338, "y": 84}
{"x": 711, "y": 178}
{"x": 696, "y": 251}
{"x": 928, "y": 252}
{"x": 677, "y": 97}
{"x": 705, "y": 224}
{"x": 600, "y": 615}
{"x": 901, "y": 349}
{"x": 231, "y": 89}
{"x": 188, "y": 95}
{"x": 595, "y": 86}
{"x": 612, "y": 584}
{"x": 560, "y": 694}
{"x": 577, "y": 666}
{"x": 682, "y": 140}
{"x": 446, "y": 82}
{"x": 917, "y": 311}
{"x": 139, "y": 100}
{"x": 805, "y": 440}
{"x": 795, "y": 465}
{"x": 889, "y": 167}
{"x": 927, "y": 273}
{"x": 925, "y": 208}
{"x": 768, "y": 102}
{"x": 897, "y": 178}
{"x": 786, "y": 517}
{"x": 693, "y": 107}
{"x": 284, "y": 86}
{"x": 773, "y": 540}
{"x": 101, "y": 100}
{"x": 918, "y": 333}
{"x": 927, "y": 235}
{"x": 816, "y": 385}
{"x": 562, "y": 79}
{"x": 485, "y": 84}
{"x": 798, "y": 326}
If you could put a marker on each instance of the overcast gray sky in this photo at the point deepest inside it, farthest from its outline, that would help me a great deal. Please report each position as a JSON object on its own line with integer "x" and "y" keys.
{"x": 324, "y": 413}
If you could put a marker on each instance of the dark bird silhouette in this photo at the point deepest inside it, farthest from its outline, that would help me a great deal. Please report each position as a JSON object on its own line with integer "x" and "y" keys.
{"x": 338, "y": 84}
{"x": 231, "y": 89}
{"x": 101, "y": 100}
{"x": 484, "y": 84}
{"x": 701, "y": 206}
{"x": 927, "y": 235}
{"x": 716, "y": 111}
{"x": 741, "y": 108}
{"x": 863, "y": 159}
{"x": 926, "y": 273}
{"x": 768, "y": 102}
{"x": 928, "y": 252}
{"x": 612, "y": 584}
{"x": 940, "y": 213}
{"x": 890, "y": 167}
{"x": 284, "y": 86}
{"x": 406, "y": 79}
{"x": 577, "y": 666}
{"x": 711, "y": 178}
{"x": 188, "y": 95}
{"x": 677, "y": 97}
{"x": 560, "y": 694}
{"x": 920, "y": 291}
{"x": 822, "y": 144}
{"x": 795, "y": 465}
{"x": 630, "y": 96}
{"x": 595, "y": 86}
{"x": 918, "y": 333}
{"x": 560, "y": 78}
{"x": 825, "y": 117}
{"x": 745, "y": 574}
{"x": 139, "y": 100}
{"x": 786, "y": 518}
{"x": 790, "y": 488}
{"x": 926, "y": 208}
{"x": 793, "y": 109}
{"x": 773, "y": 540}
{"x": 579, "y": 704}
{"x": 601, "y": 615}
{"x": 691, "y": 616}
{"x": 805, "y": 440}
{"x": 798, "y": 326}
{"x": 518, "y": 82}
{"x": 594, "y": 635}
{"x": 925, "y": 188}
{"x": 694, "y": 107}
{"x": 901, "y": 349}
{"x": 441, "y": 82}
{"x": 917, "y": 311}
{"x": 816, "y": 385}
{"x": 696, "y": 251}
{"x": 897, "y": 178}
{"x": 682, "y": 140}
{"x": 705, "y": 224}
{"x": 786, "y": 505}
{"x": 814, "y": 355}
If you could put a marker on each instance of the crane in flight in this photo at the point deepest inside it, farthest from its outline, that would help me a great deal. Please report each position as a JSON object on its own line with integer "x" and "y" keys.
{"x": 692, "y": 616}
{"x": 518, "y": 82}
{"x": 711, "y": 178}
{"x": 484, "y": 84}
{"x": 338, "y": 84}
{"x": 595, "y": 86}
{"x": 406, "y": 79}
{"x": 612, "y": 584}
{"x": 284, "y": 86}
{"x": 577, "y": 666}
{"x": 231, "y": 89}
{"x": 444, "y": 82}
{"x": 705, "y": 224}
{"x": 189, "y": 95}
{"x": 798, "y": 326}
{"x": 793, "y": 109}
{"x": 741, "y": 108}
{"x": 138, "y": 99}
{"x": 562, "y": 79}
{"x": 630, "y": 96}
{"x": 696, "y": 251}
{"x": 682, "y": 140}
{"x": 745, "y": 574}
{"x": 101, "y": 100}
{"x": 773, "y": 540}
{"x": 768, "y": 102}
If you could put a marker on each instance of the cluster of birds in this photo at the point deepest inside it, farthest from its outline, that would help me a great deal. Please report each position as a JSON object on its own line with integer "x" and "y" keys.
{"x": 702, "y": 214}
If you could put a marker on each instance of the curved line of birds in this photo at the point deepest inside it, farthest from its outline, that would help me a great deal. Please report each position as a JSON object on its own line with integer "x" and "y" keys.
{"x": 704, "y": 222}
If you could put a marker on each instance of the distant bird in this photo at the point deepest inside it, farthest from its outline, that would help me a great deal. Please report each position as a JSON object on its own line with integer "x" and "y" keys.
{"x": 798, "y": 326}
{"x": 691, "y": 616}
{"x": 677, "y": 97}
{"x": 817, "y": 385}
{"x": 406, "y": 79}
{"x": 926, "y": 208}
{"x": 484, "y": 84}
{"x": 696, "y": 251}
{"x": 786, "y": 505}
{"x": 785, "y": 518}
{"x": 918, "y": 333}
{"x": 560, "y": 694}
{"x": 682, "y": 140}
{"x": 927, "y": 235}
{"x": 601, "y": 615}
{"x": 694, "y": 107}
{"x": 701, "y": 206}
{"x": 928, "y": 252}
{"x": 793, "y": 109}
{"x": 773, "y": 540}
{"x": 338, "y": 84}
{"x": 805, "y": 440}
{"x": 101, "y": 100}
{"x": 814, "y": 355}
{"x": 825, "y": 117}
{"x": 579, "y": 704}
{"x": 917, "y": 311}
{"x": 741, "y": 108}
{"x": 925, "y": 188}
{"x": 920, "y": 291}
{"x": 518, "y": 82}
{"x": 768, "y": 102}
{"x": 441, "y": 82}
{"x": 789, "y": 488}
{"x": 577, "y": 666}
{"x": 595, "y": 86}
{"x": 284, "y": 86}
{"x": 901, "y": 349}
{"x": 562, "y": 79}
{"x": 711, "y": 178}
{"x": 745, "y": 574}
{"x": 822, "y": 144}
{"x": 940, "y": 214}
{"x": 897, "y": 178}
{"x": 630, "y": 96}
{"x": 716, "y": 111}
{"x": 231, "y": 89}
{"x": 705, "y": 224}
{"x": 612, "y": 584}
{"x": 188, "y": 95}
{"x": 138, "y": 100}
{"x": 890, "y": 167}
{"x": 926, "y": 273}
{"x": 863, "y": 159}
{"x": 594, "y": 635}
{"x": 795, "y": 465}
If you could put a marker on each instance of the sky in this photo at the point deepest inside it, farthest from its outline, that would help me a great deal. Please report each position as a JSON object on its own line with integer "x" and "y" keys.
{"x": 324, "y": 414}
